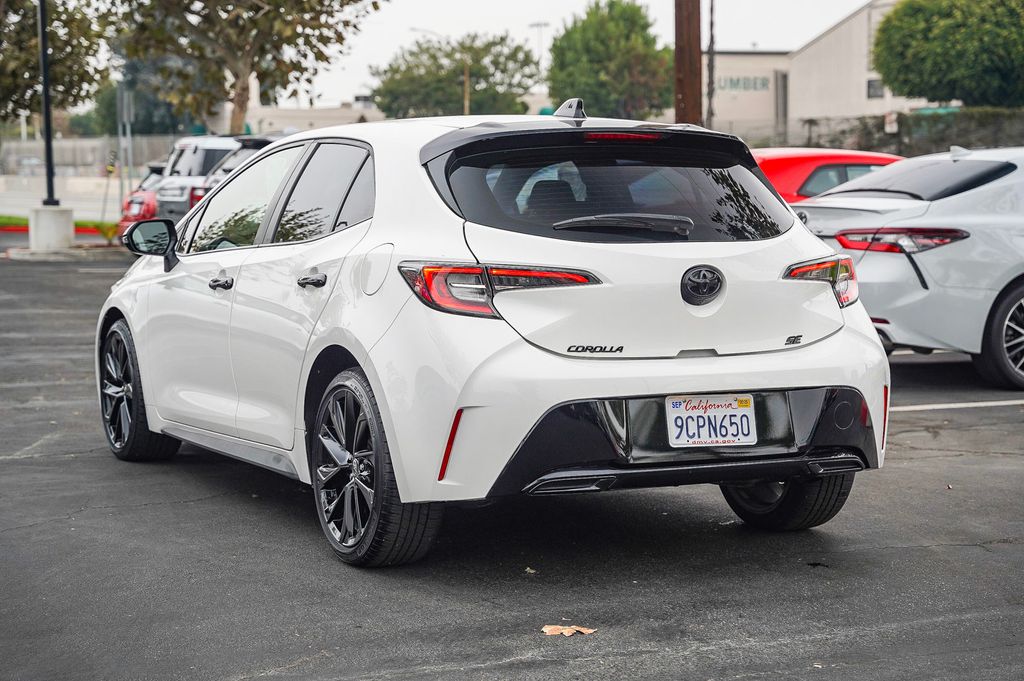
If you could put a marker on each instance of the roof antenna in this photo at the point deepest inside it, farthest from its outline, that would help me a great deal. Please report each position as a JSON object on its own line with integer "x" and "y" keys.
{"x": 957, "y": 153}
{"x": 572, "y": 108}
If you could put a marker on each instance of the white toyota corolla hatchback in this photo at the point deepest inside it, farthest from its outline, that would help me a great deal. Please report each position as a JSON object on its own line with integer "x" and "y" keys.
{"x": 409, "y": 313}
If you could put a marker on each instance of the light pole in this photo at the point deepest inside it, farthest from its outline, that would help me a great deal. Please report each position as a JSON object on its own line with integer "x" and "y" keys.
{"x": 44, "y": 64}
{"x": 465, "y": 68}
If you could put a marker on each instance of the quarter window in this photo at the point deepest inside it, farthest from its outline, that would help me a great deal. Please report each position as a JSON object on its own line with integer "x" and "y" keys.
{"x": 359, "y": 202}
{"x": 234, "y": 214}
{"x": 313, "y": 206}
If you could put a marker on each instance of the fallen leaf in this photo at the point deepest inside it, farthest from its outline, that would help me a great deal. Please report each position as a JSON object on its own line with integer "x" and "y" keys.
{"x": 530, "y": 571}
{"x": 556, "y": 629}
{"x": 949, "y": 486}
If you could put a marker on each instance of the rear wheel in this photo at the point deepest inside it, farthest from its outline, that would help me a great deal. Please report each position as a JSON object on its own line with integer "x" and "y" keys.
{"x": 123, "y": 408}
{"x": 1001, "y": 361}
{"x": 790, "y": 504}
{"x": 354, "y": 485}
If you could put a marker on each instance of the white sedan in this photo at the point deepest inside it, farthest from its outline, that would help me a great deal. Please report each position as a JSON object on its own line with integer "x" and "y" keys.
{"x": 938, "y": 242}
{"x": 408, "y": 313}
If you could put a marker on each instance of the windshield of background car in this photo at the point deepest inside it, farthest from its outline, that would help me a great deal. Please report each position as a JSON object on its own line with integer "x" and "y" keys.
{"x": 929, "y": 178}
{"x": 537, "y": 190}
{"x": 195, "y": 161}
{"x": 234, "y": 159}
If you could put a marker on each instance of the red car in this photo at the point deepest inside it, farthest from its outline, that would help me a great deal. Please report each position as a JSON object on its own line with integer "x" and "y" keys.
{"x": 799, "y": 174}
{"x": 141, "y": 203}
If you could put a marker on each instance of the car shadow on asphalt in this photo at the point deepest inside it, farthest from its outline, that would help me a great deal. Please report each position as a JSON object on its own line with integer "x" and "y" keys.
{"x": 683, "y": 531}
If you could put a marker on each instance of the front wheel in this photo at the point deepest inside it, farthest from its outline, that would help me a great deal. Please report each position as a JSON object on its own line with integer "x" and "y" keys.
{"x": 354, "y": 486}
{"x": 1001, "y": 361}
{"x": 788, "y": 505}
{"x": 123, "y": 408}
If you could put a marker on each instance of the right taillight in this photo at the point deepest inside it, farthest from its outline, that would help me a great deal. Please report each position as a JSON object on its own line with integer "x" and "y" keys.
{"x": 196, "y": 195}
{"x": 468, "y": 289}
{"x": 898, "y": 239}
{"x": 838, "y": 272}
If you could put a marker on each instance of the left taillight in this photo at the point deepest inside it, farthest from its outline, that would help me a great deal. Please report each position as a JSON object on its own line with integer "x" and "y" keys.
{"x": 838, "y": 272}
{"x": 196, "y": 195}
{"x": 899, "y": 239}
{"x": 469, "y": 289}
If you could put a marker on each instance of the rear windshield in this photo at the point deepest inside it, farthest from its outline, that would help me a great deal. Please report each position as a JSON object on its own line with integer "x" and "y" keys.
{"x": 618, "y": 193}
{"x": 233, "y": 160}
{"x": 928, "y": 178}
{"x": 194, "y": 161}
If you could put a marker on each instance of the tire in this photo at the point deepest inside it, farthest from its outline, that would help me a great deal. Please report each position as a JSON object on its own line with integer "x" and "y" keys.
{"x": 1001, "y": 361}
{"x": 355, "y": 493}
{"x": 790, "y": 505}
{"x": 122, "y": 404}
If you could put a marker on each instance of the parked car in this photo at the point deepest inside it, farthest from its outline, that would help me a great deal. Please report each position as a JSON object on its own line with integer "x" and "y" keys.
{"x": 141, "y": 203}
{"x": 187, "y": 168}
{"x": 938, "y": 242}
{"x": 799, "y": 174}
{"x": 248, "y": 146}
{"x": 406, "y": 314}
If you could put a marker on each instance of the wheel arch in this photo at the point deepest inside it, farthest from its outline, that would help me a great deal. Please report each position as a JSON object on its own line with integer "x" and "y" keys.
{"x": 331, "y": 360}
{"x": 1003, "y": 292}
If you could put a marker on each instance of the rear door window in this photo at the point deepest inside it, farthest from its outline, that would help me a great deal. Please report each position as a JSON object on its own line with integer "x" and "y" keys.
{"x": 928, "y": 178}
{"x": 313, "y": 206}
{"x": 618, "y": 193}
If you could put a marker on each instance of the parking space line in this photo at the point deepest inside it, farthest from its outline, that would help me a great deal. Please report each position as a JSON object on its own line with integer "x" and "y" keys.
{"x": 959, "y": 405}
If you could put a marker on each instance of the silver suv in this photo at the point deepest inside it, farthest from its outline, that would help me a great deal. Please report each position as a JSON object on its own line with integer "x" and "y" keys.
{"x": 190, "y": 162}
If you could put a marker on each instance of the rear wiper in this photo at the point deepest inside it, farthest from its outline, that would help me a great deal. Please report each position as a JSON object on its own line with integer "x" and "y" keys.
{"x": 655, "y": 222}
{"x": 884, "y": 191}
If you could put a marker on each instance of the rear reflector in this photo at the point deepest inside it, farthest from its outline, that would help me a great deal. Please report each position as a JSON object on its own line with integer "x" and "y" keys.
{"x": 448, "y": 447}
{"x": 469, "y": 289}
{"x": 885, "y": 413}
{"x": 838, "y": 272}
{"x": 898, "y": 239}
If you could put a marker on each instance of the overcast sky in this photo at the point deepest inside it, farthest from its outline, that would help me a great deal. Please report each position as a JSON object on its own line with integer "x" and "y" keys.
{"x": 770, "y": 24}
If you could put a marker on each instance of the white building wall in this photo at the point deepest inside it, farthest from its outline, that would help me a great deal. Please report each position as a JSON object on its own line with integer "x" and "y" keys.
{"x": 828, "y": 77}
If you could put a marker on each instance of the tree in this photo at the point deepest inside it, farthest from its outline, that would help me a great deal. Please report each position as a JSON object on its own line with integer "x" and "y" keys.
{"x": 943, "y": 50}
{"x": 74, "y": 42}
{"x": 610, "y": 58}
{"x": 282, "y": 43}
{"x": 428, "y": 78}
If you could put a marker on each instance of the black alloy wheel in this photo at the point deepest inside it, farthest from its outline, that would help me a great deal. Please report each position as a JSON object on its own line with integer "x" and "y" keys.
{"x": 344, "y": 475}
{"x": 122, "y": 405}
{"x": 354, "y": 488}
{"x": 116, "y": 390}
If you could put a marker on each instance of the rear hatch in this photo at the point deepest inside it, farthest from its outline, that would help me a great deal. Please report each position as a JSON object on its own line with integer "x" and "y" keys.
{"x": 638, "y": 213}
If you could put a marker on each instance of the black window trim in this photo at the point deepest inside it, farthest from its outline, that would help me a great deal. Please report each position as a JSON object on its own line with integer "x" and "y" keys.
{"x": 200, "y": 209}
{"x": 265, "y": 237}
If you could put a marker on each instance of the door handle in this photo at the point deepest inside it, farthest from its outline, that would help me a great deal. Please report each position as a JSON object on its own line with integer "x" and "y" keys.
{"x": 222, "y": 283}
{"x": 314, "y": 280}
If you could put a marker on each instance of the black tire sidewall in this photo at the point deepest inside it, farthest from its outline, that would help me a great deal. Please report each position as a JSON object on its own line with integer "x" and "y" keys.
{"x": 356, "y": 382}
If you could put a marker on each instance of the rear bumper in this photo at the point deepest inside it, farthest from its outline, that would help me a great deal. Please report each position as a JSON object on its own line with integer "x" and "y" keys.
{"x": 430, "y": 365}
{"x": 608, "y": 444}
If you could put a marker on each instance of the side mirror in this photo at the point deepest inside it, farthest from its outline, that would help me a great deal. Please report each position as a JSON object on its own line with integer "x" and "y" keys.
{"x": 153, "y": 237}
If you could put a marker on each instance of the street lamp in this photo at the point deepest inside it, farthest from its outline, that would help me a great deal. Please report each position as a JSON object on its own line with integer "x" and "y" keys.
{"x": 465, "y": 68}
{"x": 44, "y": 64}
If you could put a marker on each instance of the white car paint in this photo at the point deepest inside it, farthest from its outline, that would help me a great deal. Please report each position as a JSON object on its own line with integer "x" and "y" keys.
{"x": 964, "y": 279}
{"x": 229, "y": 370}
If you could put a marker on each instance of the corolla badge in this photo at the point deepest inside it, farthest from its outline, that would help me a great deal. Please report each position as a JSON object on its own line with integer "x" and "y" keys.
{"x": 701, "y": 284}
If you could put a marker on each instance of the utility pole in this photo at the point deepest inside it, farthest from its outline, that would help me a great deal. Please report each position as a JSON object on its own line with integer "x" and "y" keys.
{"x": 709, "y": 120}
{"x": 44, "y": 62}
{"x": 687, "y": 61}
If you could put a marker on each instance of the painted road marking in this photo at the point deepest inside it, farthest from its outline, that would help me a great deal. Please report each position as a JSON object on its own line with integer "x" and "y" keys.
{"x": 959, "y": 405}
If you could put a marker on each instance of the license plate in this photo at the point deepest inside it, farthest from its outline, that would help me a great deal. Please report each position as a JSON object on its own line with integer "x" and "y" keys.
{"x": 710, "y": 420}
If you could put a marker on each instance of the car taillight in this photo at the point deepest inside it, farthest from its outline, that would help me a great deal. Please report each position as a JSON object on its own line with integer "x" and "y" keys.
{"x": 898, "y": 239}
{"x": 196, "y": 195}
{"x": 838, "y": 272}
{"x": 469, "y": 289}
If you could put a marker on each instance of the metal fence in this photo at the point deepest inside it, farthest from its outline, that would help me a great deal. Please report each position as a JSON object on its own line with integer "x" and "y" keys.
{"x": 82, "y": 156}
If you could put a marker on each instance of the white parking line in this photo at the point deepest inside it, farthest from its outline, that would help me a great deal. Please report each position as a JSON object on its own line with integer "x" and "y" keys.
{"x": 959, "y": 405}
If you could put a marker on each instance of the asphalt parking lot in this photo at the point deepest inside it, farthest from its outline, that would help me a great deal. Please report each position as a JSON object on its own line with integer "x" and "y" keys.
{"x": 205, "y": 568}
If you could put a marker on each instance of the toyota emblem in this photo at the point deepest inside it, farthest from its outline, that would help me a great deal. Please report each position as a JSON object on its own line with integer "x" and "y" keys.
{"x": 701, "y": 284}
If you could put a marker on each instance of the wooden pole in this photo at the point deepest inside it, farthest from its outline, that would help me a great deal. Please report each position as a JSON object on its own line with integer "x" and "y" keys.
{"x": 688, "y": 62}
